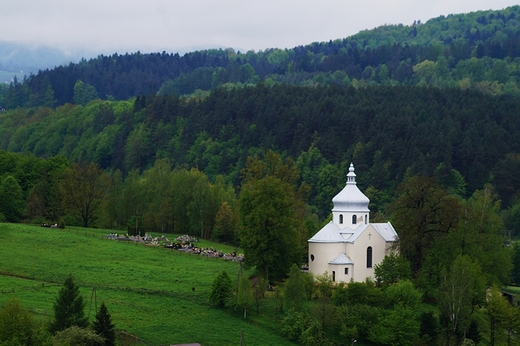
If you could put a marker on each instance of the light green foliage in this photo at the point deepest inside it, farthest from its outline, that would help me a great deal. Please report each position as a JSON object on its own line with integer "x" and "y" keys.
{"x": 314, "y": 335}
{"x": 294, "y": 323}
{"x": 244, "y": 294}
{"x": 221, "y": 290}
{"x": 497, "y": 308}
{"x": 357, "y": 320}
{"x": 392, "y": 269}
{"x": 84, "y": 93}
{"x": 405, "y": 294}
{"x": 16, "y": 324}
{"x": 397, "y": 327}
{"x": 295, "y": 290}
{"x": 78, "y": 337}
{"x": 461, "y": 288}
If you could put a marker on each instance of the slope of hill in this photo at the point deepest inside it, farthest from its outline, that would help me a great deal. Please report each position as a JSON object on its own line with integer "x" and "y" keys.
{"x": 477, "y": 50}
{"x": 390, "y": 133}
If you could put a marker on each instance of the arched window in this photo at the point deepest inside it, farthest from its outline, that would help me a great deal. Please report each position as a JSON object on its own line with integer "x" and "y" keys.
{"x": 366, "y": 219}
{"x": 312, "y": 258}
{"x": 340, "y": 218}
{"x": 333, "y": 276}
{"x": 354, "y": 219}
{"x": 369, "y": 257}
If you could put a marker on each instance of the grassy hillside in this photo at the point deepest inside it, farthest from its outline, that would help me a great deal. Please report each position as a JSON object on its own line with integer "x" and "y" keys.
{"x": 157, "y": 294}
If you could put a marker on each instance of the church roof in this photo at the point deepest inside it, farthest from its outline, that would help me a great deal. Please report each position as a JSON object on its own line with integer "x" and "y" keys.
{"x": 386, "y": 230}
{"x": 341, "y": 259}
{"x": 331, "y": 233}
{"x": 351, "y": 198}
{"x": 328, "y": 234}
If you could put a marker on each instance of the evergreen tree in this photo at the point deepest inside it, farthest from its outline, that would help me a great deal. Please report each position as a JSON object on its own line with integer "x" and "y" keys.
{"x": 104, "y": 327}
{"x": 220, "y": 290}
{"x": 69, "y": 308}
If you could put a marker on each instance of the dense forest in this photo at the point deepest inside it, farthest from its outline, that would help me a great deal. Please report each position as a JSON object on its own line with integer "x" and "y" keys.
{"x": 464, "y": 138}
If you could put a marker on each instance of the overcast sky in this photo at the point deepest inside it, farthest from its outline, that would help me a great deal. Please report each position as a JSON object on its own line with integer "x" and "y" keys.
{"x": 121, "y": 26}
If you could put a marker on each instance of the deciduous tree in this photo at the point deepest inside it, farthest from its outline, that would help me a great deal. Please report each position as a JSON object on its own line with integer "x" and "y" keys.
{"x": 83, "y": 189}
{"x": 244, "y": 294}
{"x": 422, "y": 212}
{"x": 16, "y": 324}
{"x": 269, "y": 235}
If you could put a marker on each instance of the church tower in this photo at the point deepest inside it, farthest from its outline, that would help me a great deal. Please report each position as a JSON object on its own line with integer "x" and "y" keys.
{"x": 350, "y": 205}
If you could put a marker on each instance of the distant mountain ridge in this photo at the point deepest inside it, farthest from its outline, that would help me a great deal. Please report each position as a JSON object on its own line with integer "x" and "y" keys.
{"x": 24, "y": 58}
{"x": 478, "y": 50}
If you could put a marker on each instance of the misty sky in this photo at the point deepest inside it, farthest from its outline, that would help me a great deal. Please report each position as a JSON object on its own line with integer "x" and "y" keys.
{"x": 122, "y": 26}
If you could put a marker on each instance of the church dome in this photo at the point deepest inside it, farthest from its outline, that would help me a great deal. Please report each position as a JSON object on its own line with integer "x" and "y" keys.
{"x": 351, "y": 199}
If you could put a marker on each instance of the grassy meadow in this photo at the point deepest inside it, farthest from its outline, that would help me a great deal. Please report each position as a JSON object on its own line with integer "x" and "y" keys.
{"x": 156, "y": 294}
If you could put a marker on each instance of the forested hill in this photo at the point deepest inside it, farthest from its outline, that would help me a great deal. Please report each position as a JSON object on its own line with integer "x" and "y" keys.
{"x": 478, "y": 50}
{"x": 464, "y": 138}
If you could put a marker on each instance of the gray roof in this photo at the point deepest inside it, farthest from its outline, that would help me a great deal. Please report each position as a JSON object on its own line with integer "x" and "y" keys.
{"x": 386, "y": 230}
{"x": 341, "y": 259}
{"x": 351, "y": 198}
{"x": 331, "y": 233}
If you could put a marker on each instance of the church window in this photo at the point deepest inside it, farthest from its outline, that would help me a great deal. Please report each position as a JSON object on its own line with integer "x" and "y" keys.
{"x": 312, "y": 258}
{"x": 369, "y": 257}
{"x": 333, "y": 276}
{"x": 341, "y": 218}
{"x": 366, "y": 219}
{"x": 354, "y": 219}
{"x": 346, "y": 271}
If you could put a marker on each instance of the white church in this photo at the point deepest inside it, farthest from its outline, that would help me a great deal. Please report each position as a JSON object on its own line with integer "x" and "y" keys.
{"x": 350, "y": 246}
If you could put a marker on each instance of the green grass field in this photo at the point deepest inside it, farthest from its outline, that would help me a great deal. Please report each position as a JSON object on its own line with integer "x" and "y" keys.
{"x": 156, "y": 294}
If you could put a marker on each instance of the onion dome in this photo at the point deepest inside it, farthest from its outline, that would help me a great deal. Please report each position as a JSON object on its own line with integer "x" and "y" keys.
{"x": 351, "y": 199}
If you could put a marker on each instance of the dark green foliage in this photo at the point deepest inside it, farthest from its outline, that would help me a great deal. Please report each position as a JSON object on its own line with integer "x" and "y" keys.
{"x": 11, "y": 199}
{"x": 430, "y": 328}
{"x": 269, "y": 235}
{"x": 473, "y": 332}
{"x": 221, "y": 290}
{"x": 399, "y": 326}
{"x": 68, "y": 308}
{"x": 515, "y": 275}
{"x": 104, "y": 327}
{"x": 422, "y": 213}
{"x": 294, "y": 324}
{"x": 295, "y": 290}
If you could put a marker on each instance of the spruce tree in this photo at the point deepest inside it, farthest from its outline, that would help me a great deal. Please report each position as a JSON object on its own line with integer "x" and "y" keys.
{"x": 68, "y": 308}
{"x": 220, "y": 290}
{"x": 104, "y": 327}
